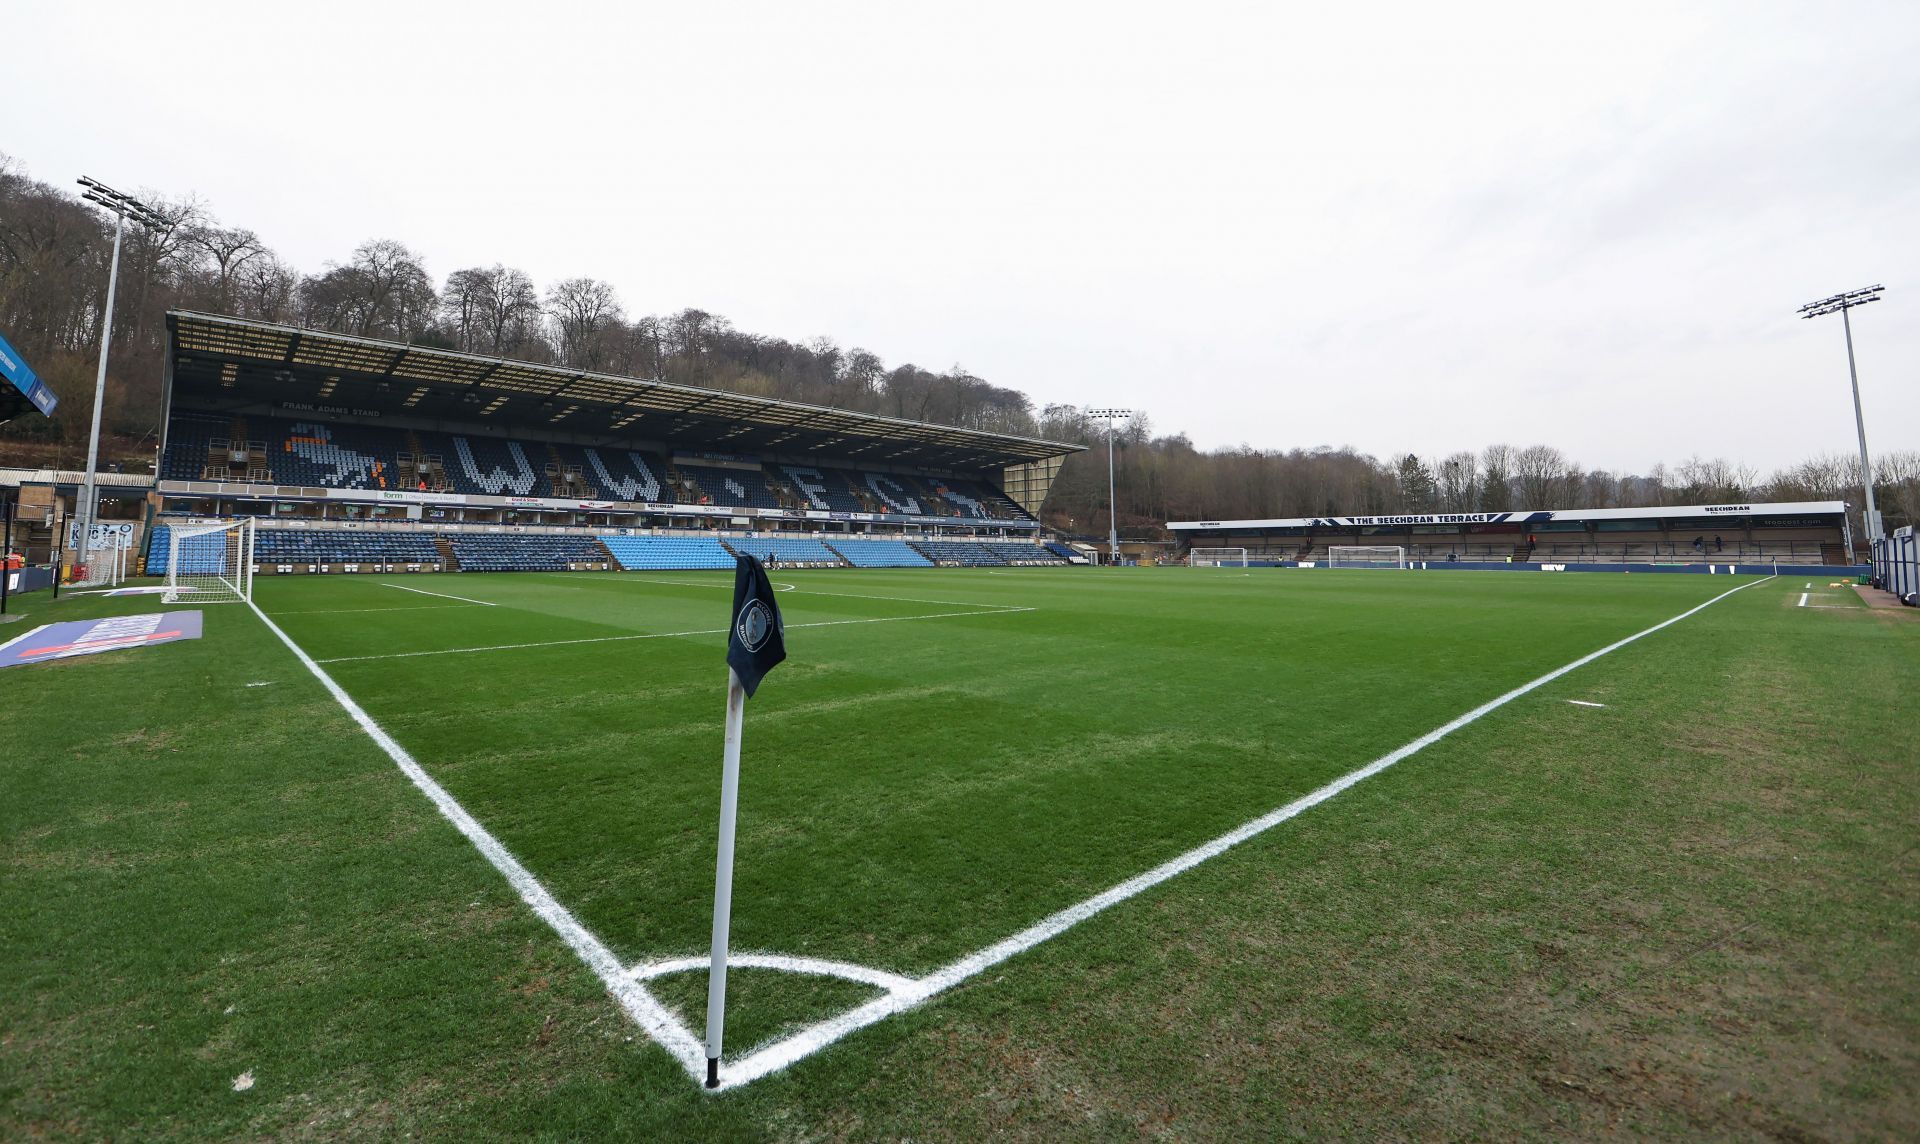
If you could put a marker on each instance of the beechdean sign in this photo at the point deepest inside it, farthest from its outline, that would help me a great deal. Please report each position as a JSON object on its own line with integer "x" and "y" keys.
{"x": 1417, "y": 518}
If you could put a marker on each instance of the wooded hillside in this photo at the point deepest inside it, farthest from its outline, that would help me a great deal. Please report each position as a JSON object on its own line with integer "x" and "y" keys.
{"x": 54, "y": 251}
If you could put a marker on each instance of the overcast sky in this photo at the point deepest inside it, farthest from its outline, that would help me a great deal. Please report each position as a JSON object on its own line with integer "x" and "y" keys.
{"x": 1421, "y": 228}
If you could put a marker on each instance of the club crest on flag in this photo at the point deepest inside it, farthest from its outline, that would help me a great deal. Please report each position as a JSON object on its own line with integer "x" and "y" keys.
{"x": 756, "y": 641}
{"x": 753, "y": 626}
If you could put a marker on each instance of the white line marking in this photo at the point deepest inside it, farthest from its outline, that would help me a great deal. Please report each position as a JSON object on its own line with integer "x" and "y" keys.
{"x": 647, "y": 1012}
{"x": 866, "y": 975}
{"x": 663, "y": 635}
{"x": 666, "y": 1029}
{"x": 399, "y": 608}
{"x": 1584, "y": 703}
{"x": 442, "y": 595}
{"x": 1803, "y": 599}
{"x": 805, "y": 1043}
{"x": 28, "y": 632}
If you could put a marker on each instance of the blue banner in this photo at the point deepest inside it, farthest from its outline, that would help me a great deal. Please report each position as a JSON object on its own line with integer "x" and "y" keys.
{"x": 13, "y": 367}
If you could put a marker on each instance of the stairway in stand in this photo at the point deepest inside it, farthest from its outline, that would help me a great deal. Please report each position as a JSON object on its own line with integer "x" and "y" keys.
{"x": 448, "y": 561}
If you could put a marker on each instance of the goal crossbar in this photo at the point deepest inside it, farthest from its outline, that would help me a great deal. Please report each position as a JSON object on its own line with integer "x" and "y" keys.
{"x": 1217, "y": 558}
{"x": 1366, "y": 556}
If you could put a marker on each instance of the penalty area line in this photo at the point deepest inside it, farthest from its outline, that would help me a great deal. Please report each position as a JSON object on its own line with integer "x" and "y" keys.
{"x": 663, "y": 635}
{"x": 646, "y": 1011}
{"x": 777, "y": 1056}
{"x": 442, "y": 595}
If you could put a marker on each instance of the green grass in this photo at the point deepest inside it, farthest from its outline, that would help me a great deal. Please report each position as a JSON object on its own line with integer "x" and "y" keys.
{"x": 1689, "y": 911}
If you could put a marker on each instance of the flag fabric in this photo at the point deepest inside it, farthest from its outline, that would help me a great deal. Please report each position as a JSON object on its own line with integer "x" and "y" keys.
{"x": 756, "y": 640}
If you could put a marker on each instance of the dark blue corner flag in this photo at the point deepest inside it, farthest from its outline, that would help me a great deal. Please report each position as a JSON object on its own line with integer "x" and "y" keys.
{"x": 757, "y": 642}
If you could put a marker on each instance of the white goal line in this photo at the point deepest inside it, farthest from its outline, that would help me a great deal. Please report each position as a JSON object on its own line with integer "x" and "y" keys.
{"x": 665, "y": 1027}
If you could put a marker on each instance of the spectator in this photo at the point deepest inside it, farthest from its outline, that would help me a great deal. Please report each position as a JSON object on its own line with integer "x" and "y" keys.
{"x": 1719, "y": 545}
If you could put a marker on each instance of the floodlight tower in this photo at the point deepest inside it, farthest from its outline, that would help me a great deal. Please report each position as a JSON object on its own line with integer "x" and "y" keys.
{"x": 1113, "y": 506}
{"x": 123, "y": 207}
{"x": 1842, "y": 303}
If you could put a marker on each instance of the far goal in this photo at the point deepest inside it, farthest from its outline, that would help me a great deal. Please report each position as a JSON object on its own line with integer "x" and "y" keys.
{"x": 210, "y": 562}
{"x": 1366, "y": 556}
{"x": 1217, "y": 558}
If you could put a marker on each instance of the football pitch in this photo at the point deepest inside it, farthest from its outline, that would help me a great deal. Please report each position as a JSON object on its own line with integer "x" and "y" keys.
{"x": 1041, "y": 852}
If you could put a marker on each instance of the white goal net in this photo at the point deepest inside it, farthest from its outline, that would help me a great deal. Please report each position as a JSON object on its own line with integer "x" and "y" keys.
{"x": 1366, "y": 556}
{"x": 1217, "y": 558}
{"x": 210, "y": 562}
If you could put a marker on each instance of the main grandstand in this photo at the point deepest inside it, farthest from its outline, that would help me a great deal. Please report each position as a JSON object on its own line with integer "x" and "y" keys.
{"x": 1801, "y": 535}
{"x": 357, "y": 454}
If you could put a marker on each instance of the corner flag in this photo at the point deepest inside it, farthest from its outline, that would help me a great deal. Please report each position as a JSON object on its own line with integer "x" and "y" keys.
{"x": 756, "y": 643}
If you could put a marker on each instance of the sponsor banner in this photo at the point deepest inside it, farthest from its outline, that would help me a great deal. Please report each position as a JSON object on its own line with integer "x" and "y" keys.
{"x": 814, "y": 514}
{"x": 89, "y": 637}
{"x": 15, "y": 370}
{"x": 717, "y": 460}
{"x": 394, "y": 496}
{"x": 329, "y": 410}
{"x": 102, "y": 537}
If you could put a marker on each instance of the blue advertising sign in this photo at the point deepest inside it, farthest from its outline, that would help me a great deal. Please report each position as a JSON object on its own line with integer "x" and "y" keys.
{"x": 14, "y": 369}
{"x": 87, "y": 637}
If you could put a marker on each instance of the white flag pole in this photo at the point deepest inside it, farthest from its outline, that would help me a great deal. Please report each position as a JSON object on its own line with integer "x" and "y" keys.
{"x": 723, "y": 877}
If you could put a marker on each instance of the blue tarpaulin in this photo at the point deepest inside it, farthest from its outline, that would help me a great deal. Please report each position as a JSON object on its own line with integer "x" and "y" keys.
{"x": 23, "y": 389}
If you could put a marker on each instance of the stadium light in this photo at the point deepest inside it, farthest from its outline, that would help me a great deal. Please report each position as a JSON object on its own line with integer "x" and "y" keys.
{"x": 124, "y": 207}
{"x": 1840, "y": 304}
{"x": 1113, "y": 506}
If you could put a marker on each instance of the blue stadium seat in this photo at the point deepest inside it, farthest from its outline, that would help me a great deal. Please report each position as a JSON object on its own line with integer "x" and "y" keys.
{"x": 523, "y": 552}
{"x": 788, "y": 551}
{"x": 664, "y": 553}
{"x": 965, "y": 553}
{"x": 880, "y": 554}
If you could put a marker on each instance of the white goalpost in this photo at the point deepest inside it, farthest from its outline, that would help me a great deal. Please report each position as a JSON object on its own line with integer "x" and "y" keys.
{"x": 210, "y": 562}
{"x": 1217, "y": 558}
{"x": 1366, "y": 556}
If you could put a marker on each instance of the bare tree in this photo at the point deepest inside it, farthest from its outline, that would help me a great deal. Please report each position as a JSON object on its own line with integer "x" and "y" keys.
{"x": 1458, "y": 482}
{"x": 230, "y": 249}
{"x": 1540, "y": 474}
{"x": 583, "y": 310}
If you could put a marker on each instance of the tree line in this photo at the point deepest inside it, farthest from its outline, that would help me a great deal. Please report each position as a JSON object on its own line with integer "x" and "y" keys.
{"x": 54, "y": 251}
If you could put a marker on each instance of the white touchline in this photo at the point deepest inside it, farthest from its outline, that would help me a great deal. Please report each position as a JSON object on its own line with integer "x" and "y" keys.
{"x": 1584, "y": 703}
{"x": 28, "y": 632}
{"x": 442, "y": 595}
{"x": 663, "y": 635}
{"x": 647, "y": 1012}
{"x": 901, "y": 993}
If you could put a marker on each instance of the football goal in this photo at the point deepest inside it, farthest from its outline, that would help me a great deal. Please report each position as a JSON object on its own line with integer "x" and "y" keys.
{"x": 210, "y": 562}
{"x": 1366, "y": 556}
{"x": 1217, "y": 558}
